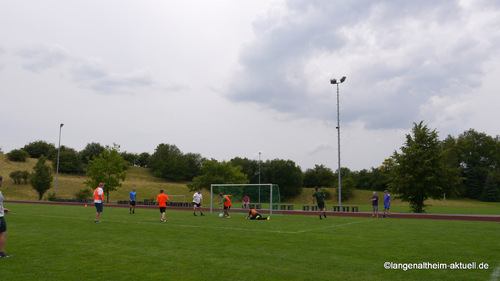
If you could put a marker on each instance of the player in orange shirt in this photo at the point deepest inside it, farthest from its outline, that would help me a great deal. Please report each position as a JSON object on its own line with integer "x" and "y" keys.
{"x": 161, "y": 201}
{"x": 227, "y": 204}
{"x": 254, "y": 215}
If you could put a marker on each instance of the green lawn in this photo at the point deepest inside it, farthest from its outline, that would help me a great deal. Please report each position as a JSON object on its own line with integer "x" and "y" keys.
{"x": 52, "y": 242}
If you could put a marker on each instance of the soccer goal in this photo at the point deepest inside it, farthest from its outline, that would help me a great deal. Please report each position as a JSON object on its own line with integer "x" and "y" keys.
{"x": 261, "y": 196}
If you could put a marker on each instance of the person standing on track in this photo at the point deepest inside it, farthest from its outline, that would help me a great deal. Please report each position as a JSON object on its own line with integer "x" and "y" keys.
{"x": 374, "y": 204}
{"x": 387, "y": 203}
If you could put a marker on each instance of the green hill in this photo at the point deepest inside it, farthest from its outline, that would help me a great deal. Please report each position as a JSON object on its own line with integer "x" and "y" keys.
{"x": 142, "y": 179}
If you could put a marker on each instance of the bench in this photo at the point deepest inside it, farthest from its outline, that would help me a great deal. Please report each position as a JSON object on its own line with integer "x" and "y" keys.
{"x": 309, "y": 208}
{"x": 287, "y": 207}
{"x": 345, "y": 208}
{"x": 255, "y": 206}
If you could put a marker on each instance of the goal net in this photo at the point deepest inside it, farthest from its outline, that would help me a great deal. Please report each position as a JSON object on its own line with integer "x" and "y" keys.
{"x": 262, "y": 197}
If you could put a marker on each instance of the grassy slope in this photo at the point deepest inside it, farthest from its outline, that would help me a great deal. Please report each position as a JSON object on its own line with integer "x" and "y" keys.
{"x": 63, "y": 243}
{"x": 148, "y": 186}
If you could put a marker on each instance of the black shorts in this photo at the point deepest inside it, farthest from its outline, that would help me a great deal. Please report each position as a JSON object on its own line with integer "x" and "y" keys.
{"x": 197, "y": 204}
{"x": 321, "y": 205}
{"x": 132, "y": 203}
{"x": 256, "y": 216}
{"x": 98, "y": 207}
{"x": 162, "y": 209}
{"x": 227, "y": 208}
{"x": 3, "y": 225}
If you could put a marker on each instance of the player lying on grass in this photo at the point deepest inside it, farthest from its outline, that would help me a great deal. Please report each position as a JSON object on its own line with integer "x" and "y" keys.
{"x": 227, "y": 204}
{"x": 254, "y": 215}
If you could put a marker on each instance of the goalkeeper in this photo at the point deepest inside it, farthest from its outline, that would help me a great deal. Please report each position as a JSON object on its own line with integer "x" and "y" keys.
{"x": 254, "y": 215}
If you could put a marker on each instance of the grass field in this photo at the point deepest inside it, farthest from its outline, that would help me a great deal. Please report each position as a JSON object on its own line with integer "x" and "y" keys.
{"x": 56, "y": 242}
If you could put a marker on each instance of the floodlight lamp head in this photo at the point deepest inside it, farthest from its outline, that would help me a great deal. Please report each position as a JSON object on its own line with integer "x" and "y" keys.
{"x": 333, "y": 81}
{"x": 342, "y": 79}
{"x": 61, "y": 125}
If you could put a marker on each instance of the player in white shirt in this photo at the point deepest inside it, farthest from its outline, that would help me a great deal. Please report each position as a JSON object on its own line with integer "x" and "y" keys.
{"x": 197, "y": 200}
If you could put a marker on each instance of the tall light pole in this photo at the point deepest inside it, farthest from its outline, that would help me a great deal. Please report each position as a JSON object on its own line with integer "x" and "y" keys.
{"x": 58, "y": 152}
{"x": 259, "y": 175}
{"x": 334, "y": 81}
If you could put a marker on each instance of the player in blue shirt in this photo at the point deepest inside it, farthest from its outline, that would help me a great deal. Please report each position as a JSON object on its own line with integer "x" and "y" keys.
{"x": 132, "y": 195}
{"x": 387, "y": 203}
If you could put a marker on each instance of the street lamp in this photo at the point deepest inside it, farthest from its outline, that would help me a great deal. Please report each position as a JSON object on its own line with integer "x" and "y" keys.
{"x": 259, "y": 175}
{"x": 58, "y": 152}
{"x": 334, "y": 81}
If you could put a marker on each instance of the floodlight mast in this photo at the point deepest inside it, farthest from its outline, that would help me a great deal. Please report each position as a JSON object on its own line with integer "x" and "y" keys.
{"x": 58, "y": 152}
{"x": 334, "y": 81}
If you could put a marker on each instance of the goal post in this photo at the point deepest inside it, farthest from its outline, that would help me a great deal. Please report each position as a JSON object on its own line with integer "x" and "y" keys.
{"x": 262, "y": 196}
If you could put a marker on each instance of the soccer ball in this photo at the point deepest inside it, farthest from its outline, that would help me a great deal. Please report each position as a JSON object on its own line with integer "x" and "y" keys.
{"x": 221, "y": 215}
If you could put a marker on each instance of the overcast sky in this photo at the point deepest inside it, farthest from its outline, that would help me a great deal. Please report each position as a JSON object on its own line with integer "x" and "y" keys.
{"x": 231, "y": 78}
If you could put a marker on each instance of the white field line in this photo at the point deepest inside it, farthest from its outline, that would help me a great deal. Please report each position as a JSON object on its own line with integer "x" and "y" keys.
{"x": 331, "y": 226}
{"x": 195, "y": 226}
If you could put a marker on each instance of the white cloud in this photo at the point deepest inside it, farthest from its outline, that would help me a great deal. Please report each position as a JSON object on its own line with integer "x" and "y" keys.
{"x": 230, "y": 78}
{"x": 397, "y": 56}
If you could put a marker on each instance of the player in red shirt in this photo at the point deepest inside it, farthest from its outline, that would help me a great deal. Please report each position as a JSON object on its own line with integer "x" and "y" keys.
{"x": 161, "y": 201}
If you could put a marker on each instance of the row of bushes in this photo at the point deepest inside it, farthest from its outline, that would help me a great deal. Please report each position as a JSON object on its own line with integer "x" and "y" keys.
{"x": 20, "y": 177}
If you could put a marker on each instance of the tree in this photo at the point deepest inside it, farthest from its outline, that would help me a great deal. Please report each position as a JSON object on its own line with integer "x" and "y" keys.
{"x": 478, "y": 155}
{"x": 69, "y": 161}
{"x": 347, "y": 190}
{"x": 193, "y": 165}
{"x": 490, "y": 192}
{"x": 319, "y": 176}
{"x": 286, "y": 175}
{"x": 41, "y": 178}
{"x": 217, "y": 172}
{"x": 131, "y": 158}
{"x": 107, "y": 168}
{"x": 90, "y": 151}
{"x": 248, "y": 167}
{"x": 39, "y": 148}
{"x": 18, "y": 155}
{"x": 374, "y": 179}
{"x": 419, "y": 172}
{"x": 168, "y": 162}
{"x": 143, "y": 160}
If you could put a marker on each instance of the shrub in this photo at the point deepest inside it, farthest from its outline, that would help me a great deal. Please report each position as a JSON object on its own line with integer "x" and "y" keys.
{"x": 39, "y": 148}
{"x": 52, "y": 197}
{"x": 25, "y": 175}
{"x": 18, "y": 155}
{"x": 16, "y": 176}
{"x": 347, "y": 190}
{"x": 328, "y": 194}
{"x": 84, "y": 193}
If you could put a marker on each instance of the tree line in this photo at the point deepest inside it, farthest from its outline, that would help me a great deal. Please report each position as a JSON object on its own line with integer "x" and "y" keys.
{"x": 425, "y": 167}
